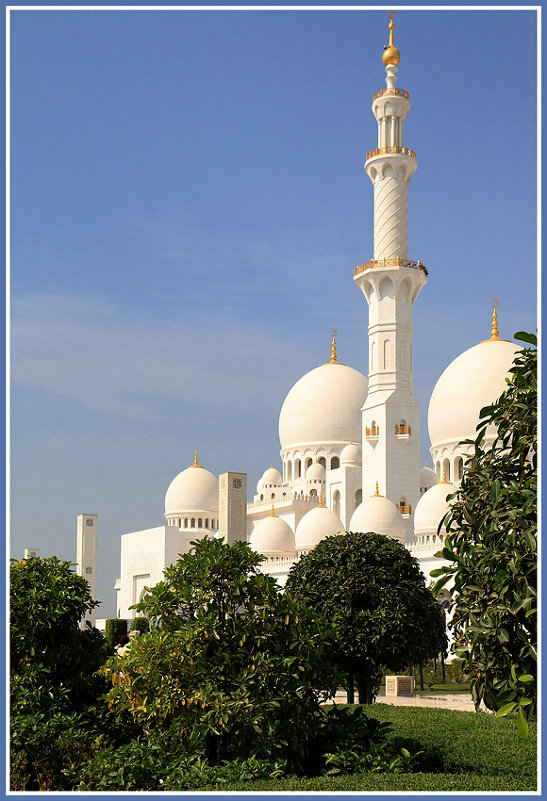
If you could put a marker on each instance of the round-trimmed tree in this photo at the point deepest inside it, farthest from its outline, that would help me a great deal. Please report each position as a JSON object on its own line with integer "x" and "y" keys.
{"x": 372, "y": 591}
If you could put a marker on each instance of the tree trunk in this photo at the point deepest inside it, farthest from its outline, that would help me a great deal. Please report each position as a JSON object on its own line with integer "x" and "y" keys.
{"x": 364, "y": 687}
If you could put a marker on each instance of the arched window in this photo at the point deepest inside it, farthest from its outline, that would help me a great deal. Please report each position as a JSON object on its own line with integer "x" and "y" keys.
{"x": 309, "y": 462}
{"x": 334, "y": 463}
{"x": 336, "y": 503}
{"x": 193, "y": 522}
{"x": 438, "y": 469}
{"x": 289, "y": 471}
{"x": 297, "y": 468}
{"x": 272, "y": 496}
{"x": 458, "y": 468}
{"x": 322, "y": 461}
{"x": 358, "y": 497}
{"x": 185, "y": 522}
{"x": 284, "y": 494}
{"x": 200, "y": 523}
{"x": 446, "y": 469}
{"x": 261, "y": 497}
{"x": 313, "y": 493}
{"x": 206, "y": 522}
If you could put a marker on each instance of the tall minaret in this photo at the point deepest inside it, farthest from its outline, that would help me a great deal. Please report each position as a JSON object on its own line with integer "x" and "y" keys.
{"x": 391, "y": 283}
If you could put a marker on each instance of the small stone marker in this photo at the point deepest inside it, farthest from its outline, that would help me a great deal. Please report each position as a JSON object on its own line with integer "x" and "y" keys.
{"x": 399, "y": 685}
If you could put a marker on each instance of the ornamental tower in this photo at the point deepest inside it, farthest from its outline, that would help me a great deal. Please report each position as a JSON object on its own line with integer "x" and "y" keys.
{"x": 391, "y": 283}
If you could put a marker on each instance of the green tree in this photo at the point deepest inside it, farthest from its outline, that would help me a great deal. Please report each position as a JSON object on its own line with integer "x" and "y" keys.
{"x": 372, "y": 591}
{"x": 229, "y": 658}
{"x": 52, "y": 681}
{"x": 492, "y": 547}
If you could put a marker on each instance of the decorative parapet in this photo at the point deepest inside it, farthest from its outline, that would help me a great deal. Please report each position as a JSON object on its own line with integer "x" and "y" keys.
{"x": 373, "y": 432}
{"x": 400, "y": 429}
{"x": 405, "y": 510}
{"x": 395, "y": 262}
{"x": 394, "y": 91}
{"x": 391, "y": 150}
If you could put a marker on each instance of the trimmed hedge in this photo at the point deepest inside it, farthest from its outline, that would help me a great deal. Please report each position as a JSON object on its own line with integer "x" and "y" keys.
{"x": 113, "y": 630}
{"x": 463, "y": 751}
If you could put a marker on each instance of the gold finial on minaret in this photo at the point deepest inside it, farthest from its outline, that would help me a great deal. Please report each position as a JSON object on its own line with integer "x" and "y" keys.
{"x": 333, "y": 359}
{"x": 272, "y": 513}
{"x": 391, "y": 54}
{"x": 195, "y": 460}
{"x": 377, "y": 493}
{"x": 321, "y": 504}
{"x": 443, "y": 479}
{"x": 494, "y": 334}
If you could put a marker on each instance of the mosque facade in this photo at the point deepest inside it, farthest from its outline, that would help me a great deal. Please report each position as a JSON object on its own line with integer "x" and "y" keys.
{"x": 350, "y": 443}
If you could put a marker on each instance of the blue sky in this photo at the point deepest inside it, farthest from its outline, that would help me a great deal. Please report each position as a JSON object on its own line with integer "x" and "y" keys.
{"x": 188, "y": 203}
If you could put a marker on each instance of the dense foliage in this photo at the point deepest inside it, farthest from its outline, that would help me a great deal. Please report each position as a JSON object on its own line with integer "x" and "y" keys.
{"x": 492, "y": 548}
{"x": 53, "y": 688}
{"x": 230, "y": 659}
{"x": 372, "y": 591}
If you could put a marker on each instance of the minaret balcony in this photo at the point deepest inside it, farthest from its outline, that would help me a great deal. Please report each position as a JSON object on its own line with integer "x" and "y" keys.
{"x": 395, "y": 262}
{"x": 394, "y": 91}
{"x": 405, "y": 510}
{"x": 372, "y": 433}
{"x": 402, "y": 431}
{"x": 391, "y": 150}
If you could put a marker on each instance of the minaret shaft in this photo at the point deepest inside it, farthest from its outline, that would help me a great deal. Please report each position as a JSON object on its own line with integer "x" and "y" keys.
{"x": 391, "y": 283}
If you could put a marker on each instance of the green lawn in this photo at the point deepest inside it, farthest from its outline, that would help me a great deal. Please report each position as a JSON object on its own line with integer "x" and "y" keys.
{"x": 463, "y": 751}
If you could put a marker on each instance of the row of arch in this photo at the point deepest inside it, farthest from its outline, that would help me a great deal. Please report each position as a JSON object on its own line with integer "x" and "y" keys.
{"x": 301, "y": 465}
{"x": 452, "y": 472}
{"x": 192, "y": 522}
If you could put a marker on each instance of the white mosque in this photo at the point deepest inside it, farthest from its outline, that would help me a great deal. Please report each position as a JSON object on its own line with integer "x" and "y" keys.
{"x": 349, "y": 444}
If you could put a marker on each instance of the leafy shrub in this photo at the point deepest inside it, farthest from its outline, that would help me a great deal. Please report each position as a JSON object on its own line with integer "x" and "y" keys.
{"x": 139, "y": 624}
{"x": 113, "y": 630}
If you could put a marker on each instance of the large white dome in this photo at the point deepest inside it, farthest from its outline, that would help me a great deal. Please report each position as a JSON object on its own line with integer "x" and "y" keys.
{"x": 317, "y": 524}
{"x": 324, "y": 406}
{"x": 431, "y": 507}
{"x": 272, "y": 537}
{"x": 380, "y": 515}
{"x": 473, "y": 380}
{"x": 195, "y": 489}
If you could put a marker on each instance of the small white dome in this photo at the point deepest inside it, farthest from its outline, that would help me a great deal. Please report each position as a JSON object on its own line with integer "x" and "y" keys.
{"x": 431, "y": 507}
{"x": 317, "y": 524}
{"x": 316, "y": 471}
{"x": 271, "y": 477}
{"x": 473, "y": 380}
{"x": 195, "y": 489}
{"x": 351, "y": 454}
{"x": 380, "y": 515}
{"x": 273, "y": 537}
{"x": 323, "y": 406}
{"x": 428, "y": 477}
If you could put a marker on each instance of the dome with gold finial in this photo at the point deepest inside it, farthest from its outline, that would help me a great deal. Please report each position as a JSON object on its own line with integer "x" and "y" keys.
{"x": 324, "y": 405}
{"x": 380, "y": 515}
{"x": 316, "y": 524}
{"x": 272, "y": 536}
{"x": 474, "y": 379}
{"x": 391, "y": 55}
{"x": 193, "y": 490}
{"x": 432, "y": 507}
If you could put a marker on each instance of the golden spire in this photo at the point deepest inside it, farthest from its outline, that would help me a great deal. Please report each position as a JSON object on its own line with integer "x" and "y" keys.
{"x": 333, "y": 359}
{"x": 494, "y": 333}
{"x": 272, "y": 513}
{"x": 321, "y": 504}
{"x": 443, "y": 479}
{"x": 391, "y": 54}
{"x": 377, "y": 493}
{"x": 195, "y": 460}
